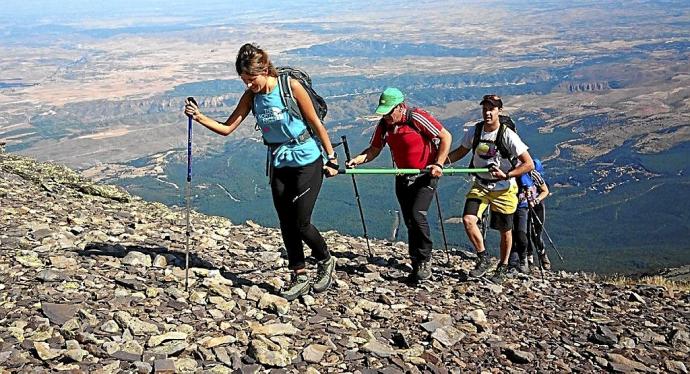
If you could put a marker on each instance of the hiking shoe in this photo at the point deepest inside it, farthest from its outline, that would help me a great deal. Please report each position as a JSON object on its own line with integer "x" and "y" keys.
{"x": 298, "y": 286}
{"x": 423, "y": 271}
{"x": 324, "y": 275}
{"x": 545, "y": 262}
{"x": 523, "y": 266}
{"x": 481, "y": 267}
{"x": 499, "y": 275}
{"x": 512, "y": 271}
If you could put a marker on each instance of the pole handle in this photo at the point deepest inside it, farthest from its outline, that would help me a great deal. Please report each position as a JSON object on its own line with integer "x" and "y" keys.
{"x": 189, "y": 141}
{"x": 346, "y": 147}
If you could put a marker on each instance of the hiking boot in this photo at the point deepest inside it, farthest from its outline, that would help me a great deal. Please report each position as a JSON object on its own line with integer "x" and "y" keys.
{"x": 499, "y": 275}
{"x": 481, "y": 267}
{"x": 412, "y": 275}
{"x": 545, "y": 262}
{"x": 523, "y": 266}
{"x": 298, "y": 286}
{"x": 423, "y": 271}
{"x": 324, "y": 275}
{"x": 512, "y": 271}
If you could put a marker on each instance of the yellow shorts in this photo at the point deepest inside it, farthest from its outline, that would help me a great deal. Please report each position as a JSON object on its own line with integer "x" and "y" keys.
{"x": 504, "y": 201}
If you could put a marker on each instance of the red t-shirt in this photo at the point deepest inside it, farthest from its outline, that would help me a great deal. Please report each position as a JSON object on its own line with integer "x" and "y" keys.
{"x": 412, "y": 148}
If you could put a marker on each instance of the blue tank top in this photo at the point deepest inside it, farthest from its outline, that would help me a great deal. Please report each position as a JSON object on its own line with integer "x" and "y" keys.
{"x": 279, "y": 128}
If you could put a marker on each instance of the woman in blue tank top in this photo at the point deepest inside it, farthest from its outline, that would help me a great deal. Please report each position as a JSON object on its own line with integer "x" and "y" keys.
{"x": 297, "y": 164}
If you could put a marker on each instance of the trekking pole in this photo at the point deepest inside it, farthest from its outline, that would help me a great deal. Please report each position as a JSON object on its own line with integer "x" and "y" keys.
{"x": 547, "y": 234}
{"x": 359, "y": 201}
{"x": 443, "y": 229}
{"x": 188, "y": 195}
{"x": 484, "y": 219}
{"x": 533, "y": 239}
{"x": 396, "y": 171}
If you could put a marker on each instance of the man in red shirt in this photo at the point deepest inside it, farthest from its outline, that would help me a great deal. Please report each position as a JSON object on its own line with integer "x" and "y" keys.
{"x": 418, "y": 141}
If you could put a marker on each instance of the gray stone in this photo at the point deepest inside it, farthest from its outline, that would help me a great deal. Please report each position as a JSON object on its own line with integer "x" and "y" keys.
{"x": 448, "y": 335}
{"x": 219, "y": 340}
{"x": 160, "y": 261}
{"x": 379, "y": 349}
{"x": 59, "y": 313}
{"x": 314, "y": 353}
{"x": 48, "y": 275}
{"x": 254, "y": 293}
{"x": 437, "y": 320}
{"x": 623, "y": 364}
{"x": 110, "y": 326}
{"x": 135, "y": 258}
{"x": 518, "y": 356}
{"x": 185, "y": 365}
{"x": 478, "y": 317}
{"x": 260, "y": 351}
{"x": 126, "y": 356}
{"x": 44, "y": 351}
{"x": 674, "y": 366}
{"x": 164, "y": 366}
{"x": 171, "y": 348}
{"x": 143, "y": 367}
{"x": 172, "y": 335}
{"x": 680, "y": 337}
{"x": 273, "y": 329}
{"x": 274, "y": 303}
{"x": 636, "y": 298}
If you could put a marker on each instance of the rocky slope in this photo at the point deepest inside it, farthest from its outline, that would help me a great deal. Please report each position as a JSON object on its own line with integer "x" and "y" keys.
{"x": 92, "y": 280}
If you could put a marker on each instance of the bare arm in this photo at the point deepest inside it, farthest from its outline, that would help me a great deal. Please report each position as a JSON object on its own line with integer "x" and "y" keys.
{"x": 543, "y": 192}
{"x": 436, "y": 168}
{"x": 457, "y": 154}
{"x": 241, "y": 111}
{"x": 444, "y": 146}
{"x": 526, "y": 165}
{"x": 367, "y": 155}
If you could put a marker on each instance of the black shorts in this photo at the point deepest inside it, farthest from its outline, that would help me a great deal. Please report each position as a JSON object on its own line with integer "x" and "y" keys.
{"x": 498, "y": 221}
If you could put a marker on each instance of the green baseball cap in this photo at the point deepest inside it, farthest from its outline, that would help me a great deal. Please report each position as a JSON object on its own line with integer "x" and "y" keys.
{"x": 389, "y": 98}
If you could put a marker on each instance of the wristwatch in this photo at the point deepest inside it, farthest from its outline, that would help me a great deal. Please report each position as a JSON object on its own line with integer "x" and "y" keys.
{"x": 334, "y": 156}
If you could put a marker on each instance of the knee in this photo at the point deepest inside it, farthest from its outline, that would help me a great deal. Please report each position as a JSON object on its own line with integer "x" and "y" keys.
{"x": 303, "y": 227}
{"x": 470, "y": 221}
{"x": 419, "y": 217}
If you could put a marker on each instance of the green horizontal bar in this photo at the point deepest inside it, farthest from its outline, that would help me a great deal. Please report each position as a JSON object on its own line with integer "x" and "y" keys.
{"x": 410, "y": 171}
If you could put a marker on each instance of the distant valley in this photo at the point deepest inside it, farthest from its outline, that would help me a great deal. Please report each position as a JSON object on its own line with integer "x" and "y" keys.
{"x": 600, "y": 93}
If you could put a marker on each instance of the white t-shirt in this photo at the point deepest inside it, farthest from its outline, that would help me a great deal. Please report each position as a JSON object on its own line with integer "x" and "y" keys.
{"x": 487, "y": 154}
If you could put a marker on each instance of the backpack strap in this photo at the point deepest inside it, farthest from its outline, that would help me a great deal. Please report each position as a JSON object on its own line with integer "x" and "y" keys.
{"x": 499, "y": 142}
{"x": 408, "y": 119}
{"x": 475, "y": 142}
{"x": 502, "y": 149}
{"x": 500, "y": 145}
{"x": 287, "y": 97}
{"x": 410, "y": 122}
{"x": 477, "y": 135}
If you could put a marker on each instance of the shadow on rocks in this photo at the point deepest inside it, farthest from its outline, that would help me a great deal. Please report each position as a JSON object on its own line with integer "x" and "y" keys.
{"x": 176, "y": 258}
{"x": 361, "y": 260}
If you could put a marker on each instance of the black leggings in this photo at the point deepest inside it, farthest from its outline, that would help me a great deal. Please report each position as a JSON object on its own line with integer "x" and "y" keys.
{"x": 525, "y": 241}
{"x": 295, "y": 190}
{"x": 414, "y": 196}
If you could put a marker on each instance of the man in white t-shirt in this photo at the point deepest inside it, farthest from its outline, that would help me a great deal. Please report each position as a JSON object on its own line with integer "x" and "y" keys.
{"x": 494, "y": 149}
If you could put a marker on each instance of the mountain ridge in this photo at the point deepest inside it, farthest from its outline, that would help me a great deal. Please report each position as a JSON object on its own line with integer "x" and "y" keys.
{"x": 93, "y": 281}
